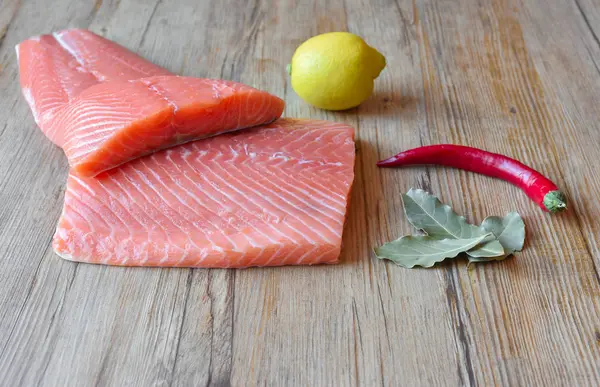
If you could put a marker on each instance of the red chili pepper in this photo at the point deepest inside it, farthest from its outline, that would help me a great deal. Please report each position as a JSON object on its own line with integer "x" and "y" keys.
{"x": 539, "y": 188}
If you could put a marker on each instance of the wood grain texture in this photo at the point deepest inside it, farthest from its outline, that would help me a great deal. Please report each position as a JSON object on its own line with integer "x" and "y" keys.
{"x": 519, "y": 77}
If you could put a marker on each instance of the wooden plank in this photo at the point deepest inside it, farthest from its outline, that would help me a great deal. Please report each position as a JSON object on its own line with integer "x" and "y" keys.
{"x": 516, "y": 77}
{"x": 483, "y": 88}
{"x": 589, "y": 11}
{"x": 32, "y": 170}
{"x": 573, "y": 70}
{"x": 351, "y": 324}
{"x": 8, "y": 11}
{"x": 82, "y": 324}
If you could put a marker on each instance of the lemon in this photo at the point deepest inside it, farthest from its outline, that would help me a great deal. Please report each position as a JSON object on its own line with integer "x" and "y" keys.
{"x": 335, "y": 71}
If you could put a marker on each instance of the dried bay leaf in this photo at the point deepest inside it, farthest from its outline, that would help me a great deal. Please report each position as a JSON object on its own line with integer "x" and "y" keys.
{"x": 410, "y": 251}
{"x": 426, "y": 212}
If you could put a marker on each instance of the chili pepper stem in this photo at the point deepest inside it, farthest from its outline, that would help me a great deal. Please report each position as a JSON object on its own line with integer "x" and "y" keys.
{"x": 555, "y": 201}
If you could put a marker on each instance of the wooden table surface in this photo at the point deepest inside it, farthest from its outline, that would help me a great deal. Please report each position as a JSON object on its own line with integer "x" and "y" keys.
{"x": 519, "y": 77}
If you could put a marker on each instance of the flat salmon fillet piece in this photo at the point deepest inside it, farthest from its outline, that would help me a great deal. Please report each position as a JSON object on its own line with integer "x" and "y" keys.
{"x": 104, "y": 105}
{"x": 271, "y": 195}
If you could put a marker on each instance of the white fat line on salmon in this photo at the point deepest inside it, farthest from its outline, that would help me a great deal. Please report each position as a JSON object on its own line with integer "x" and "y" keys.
{"x": 83, "y": 206}
{"x": 282, "y": 170}
{"x": 89, "y": 134}
{"x": 116, "y": 214}
{"x": 282, "y": 198}
{"x": 234, "y": 152}
{"x": 177, "y": 224}
{"x": 308, "y": 253}
{"x": 165, "y": 257}
{"x": 250, "y": 200}
{"x": 279, "y": 156}
{"x": 162, "y": 96}
{"x": 202, "y": 256}
{"x": 318, "y": 258}
{"x": 83, "y": 121}
{"x": 139, "y": 188}
{"x": 198, "y": 201}
{"x": 184, "y": 256}
{"x": 81, "y": 210}
{"x": 298, "y": 187}
{"x": 106, "y": 128}
{"x": 249, "y": 153}
{"x": 205, "y": 192}
{"x": 304, "y": 196}
{"x": 290, "y": 253}
{"x": 273, "y": 255}
{"x": 94, "y": 112}
{"x": 71, "y": 50}
{"x": 128, "y": 207}
{"x": 321, "y": 192}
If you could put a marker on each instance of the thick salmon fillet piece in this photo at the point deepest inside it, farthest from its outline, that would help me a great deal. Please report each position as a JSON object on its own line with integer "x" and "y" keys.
{"x": 111, "y": 123}
{"x": 105, "y": 105}
{"x": 56, "y": 68}
{"x": 271, "y": 195}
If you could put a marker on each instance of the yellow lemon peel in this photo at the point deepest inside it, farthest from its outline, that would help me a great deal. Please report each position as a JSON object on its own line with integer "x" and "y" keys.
{"x": 335, "y": 71}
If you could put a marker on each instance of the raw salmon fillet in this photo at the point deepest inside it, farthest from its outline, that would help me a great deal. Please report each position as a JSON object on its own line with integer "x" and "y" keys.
{"x": 111, "y": 123}
{"x": 271, "y": 195}
{"x": 54, "y": 69}
{"x": 104, "y": 105}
